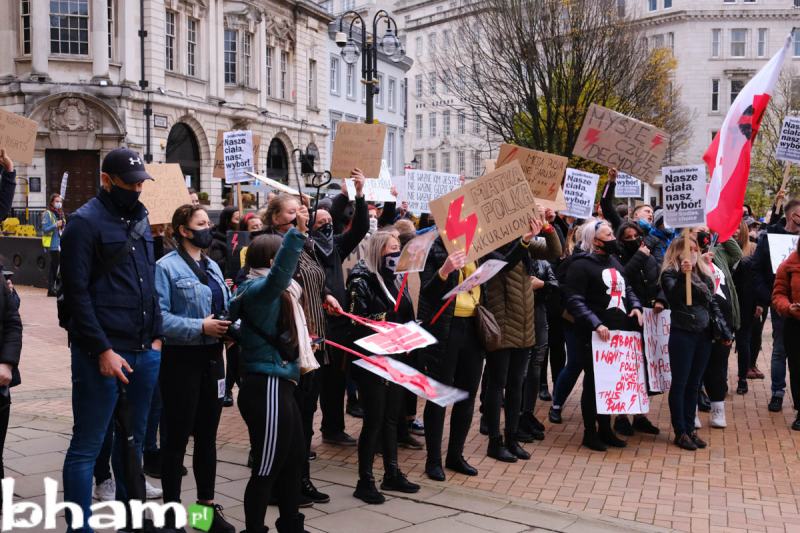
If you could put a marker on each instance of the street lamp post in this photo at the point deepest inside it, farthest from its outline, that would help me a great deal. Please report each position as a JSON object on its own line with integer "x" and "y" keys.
{"x": 389, "y": 44}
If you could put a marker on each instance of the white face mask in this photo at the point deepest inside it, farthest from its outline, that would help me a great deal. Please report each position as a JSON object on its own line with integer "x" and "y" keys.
{"x": 57, "y": 205}
{"x": 373, "y": 225}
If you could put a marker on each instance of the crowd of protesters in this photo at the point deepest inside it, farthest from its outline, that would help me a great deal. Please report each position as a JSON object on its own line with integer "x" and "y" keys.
{"x": 170, "y": 324}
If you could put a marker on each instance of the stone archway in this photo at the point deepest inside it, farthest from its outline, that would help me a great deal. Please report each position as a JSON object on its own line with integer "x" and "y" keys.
{"x": 183, "y": 148}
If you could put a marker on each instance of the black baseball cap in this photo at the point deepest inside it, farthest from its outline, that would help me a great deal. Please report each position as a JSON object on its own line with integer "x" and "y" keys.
{"x": 125, "y": 164}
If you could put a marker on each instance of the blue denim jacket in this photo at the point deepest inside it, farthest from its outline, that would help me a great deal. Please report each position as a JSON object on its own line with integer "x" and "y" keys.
{"x": 185, "y": 301}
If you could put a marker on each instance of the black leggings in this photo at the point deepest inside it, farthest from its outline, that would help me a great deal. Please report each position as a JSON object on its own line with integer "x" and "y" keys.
{"x": 232, "y": 367}
{"x": 306, "y": 394}
{"x": 556, "y": 347}
{"x": 190, "y": 385}
{"x": 537, "y": 367}
{"x": 715, "y": 377}
{"x": 5, "y": 411}
{"x": 505, "y": 370}
{"x": 273, "y": 419}
{"x": 458, "y": 363}
{"x": 382, "y": 402}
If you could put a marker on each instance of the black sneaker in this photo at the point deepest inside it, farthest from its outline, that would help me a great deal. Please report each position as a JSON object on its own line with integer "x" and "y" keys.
{"x": 367, "y": 492}
{"x": 593, "y": 442}
{"x": 700, "y": 443}
{"x": 622, "y": 425}
{"x": 399, "y": 483}
{"x": 218, "y": 523}
{"x": 796, "y": 423}
{"x": 339, "y": 439}
{"x": 417, "y": 428}
{"x": 742, "y": 387}
{"x": 554, "y": 415}
{"x": 312, "y": 456}
{"x": 643, "y": 425}
{"x": 409, "y": 442}
{"x": 612, "y": 440}
{"x": 227, "y": 401}
{"x": 354, "y": 409}
{"x": 310, "y": 492}
{"x": 544, "y": 394}
{"x": 776, "y": 404}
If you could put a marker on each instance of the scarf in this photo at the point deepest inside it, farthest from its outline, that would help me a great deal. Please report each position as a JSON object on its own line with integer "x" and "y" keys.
{"x": 306, "y": 359}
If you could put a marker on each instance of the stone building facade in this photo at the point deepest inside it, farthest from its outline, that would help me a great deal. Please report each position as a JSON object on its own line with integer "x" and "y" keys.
{"x": 74, "y": 66}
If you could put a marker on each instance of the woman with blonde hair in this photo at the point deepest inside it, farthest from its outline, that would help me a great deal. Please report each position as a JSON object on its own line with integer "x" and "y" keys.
{"x": 692, "y": 331}
{"x": 373, "y": 292}
{"x": 750, "y": 326}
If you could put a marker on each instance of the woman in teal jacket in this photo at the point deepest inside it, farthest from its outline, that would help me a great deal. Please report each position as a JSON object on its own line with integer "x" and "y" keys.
{"x": 266, "y": 397}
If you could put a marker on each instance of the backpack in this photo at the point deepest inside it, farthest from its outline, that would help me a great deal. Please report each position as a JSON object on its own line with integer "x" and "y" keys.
{"x": 135, "y": 233}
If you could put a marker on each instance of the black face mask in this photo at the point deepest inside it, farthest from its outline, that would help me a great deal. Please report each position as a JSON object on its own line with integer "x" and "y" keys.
{"x": 703, "y": 239}
{"x": 202, "y": 238}
{"x": 632, "y": 246}
{"x": 123, "y": 198}
{"x": 323, "y": 238}
{"x": 610, "y": 247}
{"x": 390, "y": 262}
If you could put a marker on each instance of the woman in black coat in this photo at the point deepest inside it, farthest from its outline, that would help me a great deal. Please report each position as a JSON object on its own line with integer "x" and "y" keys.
{"x": 373, "y": 291}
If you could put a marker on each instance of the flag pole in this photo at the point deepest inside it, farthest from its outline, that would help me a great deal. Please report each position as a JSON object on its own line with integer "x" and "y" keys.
{"x": 787, "y": 169}
{"x": 687, "y": 253}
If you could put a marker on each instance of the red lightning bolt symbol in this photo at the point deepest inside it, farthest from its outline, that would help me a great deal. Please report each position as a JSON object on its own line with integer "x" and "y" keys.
{"x": 592, "y": 136}
{"x": 656, "y": 141}
{"x": 456, "y": 227}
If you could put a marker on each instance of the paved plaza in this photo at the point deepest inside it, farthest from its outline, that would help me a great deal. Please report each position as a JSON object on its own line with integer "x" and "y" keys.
{"x": 748, "y": 479}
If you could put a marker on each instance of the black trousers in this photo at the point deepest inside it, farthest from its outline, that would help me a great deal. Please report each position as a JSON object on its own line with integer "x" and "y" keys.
{"x": 715, "y": 377}
{"x": 536, "y": 376}
{"x": 459, "y": 365}
{"x": 791, "y": 343}
{"x": 505, "y": 371}
{"x": 5, "y": 411}
{"x": 331, "y": 393}
{"x": 231, "y": 367}
{"x": 382, "y": 402}
{"x": 55, "y": 259}
{"x": 557, "y": 351}
{"x": 588, "y": 401}
{"x": 269, "y": 408}
{"x": 306, "y": 395}
{"x": 190, "y": 379}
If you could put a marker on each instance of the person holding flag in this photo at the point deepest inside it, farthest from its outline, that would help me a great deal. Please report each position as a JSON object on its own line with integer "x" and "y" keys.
{"x": 728, "y": 160}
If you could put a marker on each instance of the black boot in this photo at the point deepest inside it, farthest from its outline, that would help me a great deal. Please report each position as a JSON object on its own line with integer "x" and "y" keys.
{"x": 434, "y": 471}
{"x": 460, "y": 465}
{"x": 497, "y": 450}
{"x": 152, "y": 464}
{"x": 395, "y": 480}
{"x": 310, "y": 492}
{"x": 517, "y": 450}
{"x": 291, "y": 525}
{"x": 592, "y": 441}
{"x": 530, "y": 428}
{"x": 219, "y": 524}
{"x": 367, "y": 492}
{"x": 622, "y": 425}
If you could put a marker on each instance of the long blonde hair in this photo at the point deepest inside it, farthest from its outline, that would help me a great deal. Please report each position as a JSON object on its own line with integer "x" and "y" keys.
{"x": 672, "y": 257}
{"x": 743, "y": 238}
{"x": 373, "y": 256}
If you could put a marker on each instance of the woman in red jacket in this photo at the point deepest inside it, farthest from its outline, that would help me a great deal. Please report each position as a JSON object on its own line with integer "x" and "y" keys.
{"x": 786, "y": 301}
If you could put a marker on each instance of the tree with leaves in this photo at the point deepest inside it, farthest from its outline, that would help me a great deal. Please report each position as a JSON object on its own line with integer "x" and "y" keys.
{"x": 529, "y": 69}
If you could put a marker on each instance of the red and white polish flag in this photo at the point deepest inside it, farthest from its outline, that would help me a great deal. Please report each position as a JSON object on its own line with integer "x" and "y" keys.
{"x": 728, "y": 156}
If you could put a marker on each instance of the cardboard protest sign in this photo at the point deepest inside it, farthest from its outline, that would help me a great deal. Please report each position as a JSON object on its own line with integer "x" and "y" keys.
{"x": 580, "y": 189}
{"x": 18, "y": 136}
{"x": 423, "y": 186}
{"x": 415, "y": 253}
{"x": 489, "y": 165}
{"x": 656, "y": 349}
{"x": 628, "y": 186}
{"x": 237, "y": 150}
{"x": 360, "y": 146}
{"x": 684, "y": 191}
{"x": 619, "y": 381}
{"x": 560, "y": 203}
{"x": 219, "y": 160}
{"x": 404, "y": 338}
{"x": 487, "y": 213}
{"x": 615, "y": 140}
{"x": 377, "y": 190}
{"x": 164, "y": 195}
{"x": 411, "y": 379}
{"x": 544, "y": 171}
{"x": 788, "y": 148}
{"x": 482, "y": 274}
{"x": 780, "y": 246}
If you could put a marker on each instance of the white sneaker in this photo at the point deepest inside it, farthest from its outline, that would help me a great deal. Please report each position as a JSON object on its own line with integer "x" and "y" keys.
{"x": 697, "y": 424}
{"x": 718, "y": 415}
{"x": 105, "y": 491}
{"x": 152, "y": 492}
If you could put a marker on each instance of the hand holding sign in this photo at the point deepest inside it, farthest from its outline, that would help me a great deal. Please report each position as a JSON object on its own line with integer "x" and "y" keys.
{"x": 455, "y": 261}
{"x": 6, "y": 161}
{"x": 358, "y": 181}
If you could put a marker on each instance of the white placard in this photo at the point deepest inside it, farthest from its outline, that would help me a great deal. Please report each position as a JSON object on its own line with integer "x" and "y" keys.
{"x": 237, "y": 154}
{"x": 64, "y": 181}
{"x": 619, "y": 381}
{"x": 271, "y": 183}
{"x": 627, "y": 186}
{"x": 482, "y": 274}
{"x": 780, "y": 246}
{"x": 375, "y": 190}
{"x": 422, "y": 186}
{"x": 788, "y": 148}
{"x": 656, "y": 349}
{"x": 684, "y": 193}
{"x": 580, "y": 189}
{"x": 404, "y": 338}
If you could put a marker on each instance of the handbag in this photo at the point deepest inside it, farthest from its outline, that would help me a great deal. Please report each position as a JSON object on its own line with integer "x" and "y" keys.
{"x": 489, "y": 331}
